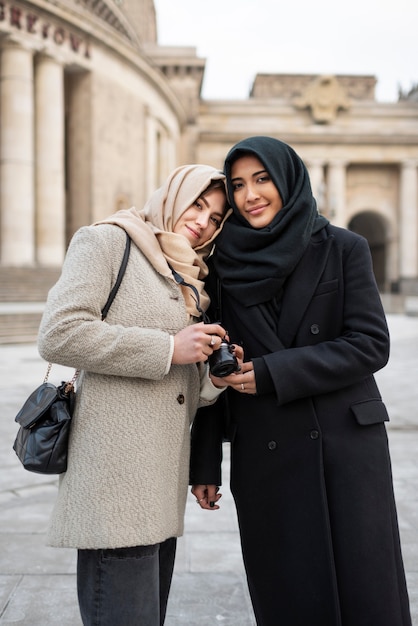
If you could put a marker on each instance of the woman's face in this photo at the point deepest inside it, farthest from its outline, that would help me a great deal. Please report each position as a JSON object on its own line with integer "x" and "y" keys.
{"x": 200, "y": 221}
{"x": 255, "y": 194}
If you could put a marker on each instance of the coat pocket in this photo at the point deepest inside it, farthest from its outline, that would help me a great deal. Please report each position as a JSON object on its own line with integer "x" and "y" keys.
{"x": 370, "y": 412}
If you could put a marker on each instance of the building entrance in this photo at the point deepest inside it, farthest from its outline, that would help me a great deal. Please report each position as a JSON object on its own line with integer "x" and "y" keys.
{"x": 373, "y": 227}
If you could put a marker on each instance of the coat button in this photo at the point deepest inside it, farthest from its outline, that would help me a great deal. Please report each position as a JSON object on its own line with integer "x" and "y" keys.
{"x": 272, "y": 445}
{"x": 314, "y": 434}
{"x": 180, "y": 398}
{"x": 314, "y": 329}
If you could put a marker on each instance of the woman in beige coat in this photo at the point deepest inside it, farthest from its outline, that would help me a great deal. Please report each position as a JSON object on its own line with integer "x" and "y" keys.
{"x": 142, "y": 376}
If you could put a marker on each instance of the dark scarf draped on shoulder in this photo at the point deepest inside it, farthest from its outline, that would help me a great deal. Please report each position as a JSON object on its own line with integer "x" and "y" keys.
{"x": 253, "y": 264}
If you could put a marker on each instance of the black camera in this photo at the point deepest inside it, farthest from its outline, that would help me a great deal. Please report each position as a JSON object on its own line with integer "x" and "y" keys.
{"x": 223, "y": 362}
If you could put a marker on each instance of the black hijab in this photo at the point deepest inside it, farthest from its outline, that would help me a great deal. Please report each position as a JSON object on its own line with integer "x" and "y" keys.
{"x": 253, "y": 264}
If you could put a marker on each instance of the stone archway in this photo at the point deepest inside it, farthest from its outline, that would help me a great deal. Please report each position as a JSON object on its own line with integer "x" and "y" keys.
{"x": 372, "y": 226}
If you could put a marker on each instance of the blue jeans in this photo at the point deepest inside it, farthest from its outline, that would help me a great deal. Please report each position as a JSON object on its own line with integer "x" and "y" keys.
{"x": 125, "y": 586}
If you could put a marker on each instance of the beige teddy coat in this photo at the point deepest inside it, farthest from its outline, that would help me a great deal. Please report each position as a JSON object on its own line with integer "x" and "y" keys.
{"x": 127, "y": 477}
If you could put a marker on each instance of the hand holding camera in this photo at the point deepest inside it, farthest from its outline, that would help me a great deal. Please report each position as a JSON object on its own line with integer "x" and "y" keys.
{"x": 223, "y": 361}
{"x": 194, "y": 343}
{"x": 229, "y": 359}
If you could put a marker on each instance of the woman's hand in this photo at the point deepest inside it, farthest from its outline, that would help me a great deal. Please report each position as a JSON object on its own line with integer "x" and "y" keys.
{"x": 244, "y": 380}
{"x": 196, "y": 343}
{"x": 207, "y": 496}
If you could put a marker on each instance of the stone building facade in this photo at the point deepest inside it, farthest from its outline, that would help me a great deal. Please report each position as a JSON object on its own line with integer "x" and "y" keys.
{"x": 87, "y": 122}
{"x": 94, "y": 114}
{"x": 362, "y": 156}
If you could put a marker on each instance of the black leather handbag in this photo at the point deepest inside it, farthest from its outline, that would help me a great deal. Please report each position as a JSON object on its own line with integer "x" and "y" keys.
{"x": 41, "y": 443}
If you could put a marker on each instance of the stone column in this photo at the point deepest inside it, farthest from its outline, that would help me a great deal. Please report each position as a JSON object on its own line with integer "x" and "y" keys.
{"x": 408, "y": 228}
{"x": 336, "y": 193}
{"x": 49, "y": 161}
{"x": 79, "y": 164}
{"x": 165, "y": 156}
{"x": 172, "y": 152}
{"x": 16, "y": 155}
{"x": 151, "y": 177}
{"x": 316, "y": 175}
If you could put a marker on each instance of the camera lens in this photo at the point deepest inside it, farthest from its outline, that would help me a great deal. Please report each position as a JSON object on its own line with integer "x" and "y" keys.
{"x": 223, "y": 362}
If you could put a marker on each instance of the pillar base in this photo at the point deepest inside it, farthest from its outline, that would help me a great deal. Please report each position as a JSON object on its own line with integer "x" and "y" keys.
{"x": 409, "y": 286}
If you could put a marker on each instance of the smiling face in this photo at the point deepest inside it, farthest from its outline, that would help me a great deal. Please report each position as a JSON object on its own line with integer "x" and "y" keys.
{"x": 199, "y": 222}
{"x": 255, "y": 195}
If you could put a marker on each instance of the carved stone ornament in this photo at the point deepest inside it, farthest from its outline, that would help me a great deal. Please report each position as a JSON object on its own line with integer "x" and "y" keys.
{"x": 325, "y": 97}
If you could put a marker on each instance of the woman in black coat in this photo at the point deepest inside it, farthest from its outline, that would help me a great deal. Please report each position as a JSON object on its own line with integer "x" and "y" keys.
{"x": 310, "y": 466}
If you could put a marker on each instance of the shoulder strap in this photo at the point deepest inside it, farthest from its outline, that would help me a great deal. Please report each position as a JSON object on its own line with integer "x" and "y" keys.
{"x": 180, "y": 281}
{"x": 218, "y": 303}
{"x": 70, "y": 385}
{"x": 121, "y": 272}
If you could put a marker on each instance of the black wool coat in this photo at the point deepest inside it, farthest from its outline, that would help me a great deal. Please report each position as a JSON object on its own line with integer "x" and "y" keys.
{"x": 310, "y": 465}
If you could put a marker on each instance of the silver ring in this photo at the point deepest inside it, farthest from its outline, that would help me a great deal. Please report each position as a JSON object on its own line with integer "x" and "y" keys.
{"x": 212, "y": 340}
{"x": 199, "y": 501}
{"x": 242, "y": 386}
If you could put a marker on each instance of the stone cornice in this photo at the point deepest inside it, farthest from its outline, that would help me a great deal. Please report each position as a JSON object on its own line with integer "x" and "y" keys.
{"x": 97, "y": 32}
{"x": 294, "y": 139}
{"x": 111, "y": 15}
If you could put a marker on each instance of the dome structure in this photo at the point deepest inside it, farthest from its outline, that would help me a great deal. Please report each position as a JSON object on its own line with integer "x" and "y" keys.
{"x": 133, "y": 19}
{"x": 142, "y": 17}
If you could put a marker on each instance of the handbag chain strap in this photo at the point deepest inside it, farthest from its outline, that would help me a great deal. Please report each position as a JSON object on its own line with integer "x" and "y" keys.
{"x": 70, "y": 385}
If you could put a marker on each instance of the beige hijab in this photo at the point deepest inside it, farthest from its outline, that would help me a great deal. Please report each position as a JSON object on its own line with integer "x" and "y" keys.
{"x": 151, "y": 229}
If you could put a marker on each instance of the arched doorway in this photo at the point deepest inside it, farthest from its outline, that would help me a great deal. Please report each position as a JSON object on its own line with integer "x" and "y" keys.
{"x": 372, "y": 226}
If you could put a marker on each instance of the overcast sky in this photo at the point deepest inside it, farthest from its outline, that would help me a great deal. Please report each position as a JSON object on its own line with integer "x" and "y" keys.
{"x": 240, "y": 38}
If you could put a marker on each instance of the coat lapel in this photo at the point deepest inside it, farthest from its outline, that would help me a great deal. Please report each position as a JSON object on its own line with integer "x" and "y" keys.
{"x": 301, "y": 286}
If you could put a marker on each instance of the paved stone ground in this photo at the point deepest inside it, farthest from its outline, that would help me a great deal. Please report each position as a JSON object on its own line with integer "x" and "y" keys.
{"x": 37, "y": 584}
